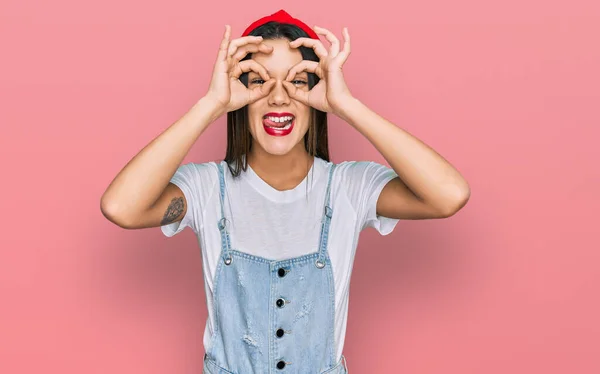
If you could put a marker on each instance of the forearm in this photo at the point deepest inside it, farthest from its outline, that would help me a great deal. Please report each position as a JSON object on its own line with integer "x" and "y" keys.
{"x": 429, "y": 176}
{"x": 142, "y": 180}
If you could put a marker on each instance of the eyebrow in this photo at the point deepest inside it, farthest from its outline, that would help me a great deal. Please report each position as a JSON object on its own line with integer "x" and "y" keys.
{"x": 269, "y": 73}
{"x": 298, "y": 73}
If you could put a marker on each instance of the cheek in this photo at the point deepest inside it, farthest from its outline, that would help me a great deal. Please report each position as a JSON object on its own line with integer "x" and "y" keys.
{"x": 252, "y": 110}
{"x": 305, "y": 115}
{"x": 254, "y": 116}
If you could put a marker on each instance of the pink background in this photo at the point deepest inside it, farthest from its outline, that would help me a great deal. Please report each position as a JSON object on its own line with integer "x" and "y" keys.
{"x": 507, "y": 91}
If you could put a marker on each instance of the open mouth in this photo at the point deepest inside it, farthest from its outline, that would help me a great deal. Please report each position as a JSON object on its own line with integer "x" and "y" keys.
{"x": 278, "y": 122}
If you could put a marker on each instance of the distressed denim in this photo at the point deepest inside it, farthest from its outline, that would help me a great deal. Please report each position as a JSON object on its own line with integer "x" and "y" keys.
{"x": 273, "y": 316}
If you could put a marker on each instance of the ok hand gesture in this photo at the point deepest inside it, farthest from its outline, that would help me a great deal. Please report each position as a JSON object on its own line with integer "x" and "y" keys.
{"x": 331, "y": 93}
{"x": 225, "y": 87}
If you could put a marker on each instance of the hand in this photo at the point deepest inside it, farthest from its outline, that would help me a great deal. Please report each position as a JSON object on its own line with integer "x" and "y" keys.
{"x": 225, "y": 89}
{"x": 331, "y": 93}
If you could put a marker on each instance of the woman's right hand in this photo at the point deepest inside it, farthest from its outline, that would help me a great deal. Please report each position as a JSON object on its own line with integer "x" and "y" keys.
{"x": 225, "y": 88}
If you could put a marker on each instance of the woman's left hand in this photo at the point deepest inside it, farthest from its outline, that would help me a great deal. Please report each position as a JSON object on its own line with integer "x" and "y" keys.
{"x": 331, "y": 94}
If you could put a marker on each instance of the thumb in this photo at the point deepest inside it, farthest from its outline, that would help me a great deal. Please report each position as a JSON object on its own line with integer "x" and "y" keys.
{"x": 268, "y": 86}
{"x": 295, "y": 93}
{"x": 263, "y": 90}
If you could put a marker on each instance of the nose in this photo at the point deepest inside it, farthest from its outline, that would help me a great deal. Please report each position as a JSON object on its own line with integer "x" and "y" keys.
{"x": 279, "y": 95}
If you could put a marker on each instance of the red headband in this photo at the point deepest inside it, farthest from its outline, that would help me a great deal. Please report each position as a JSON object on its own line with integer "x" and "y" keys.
{"x": 282, "y": 17}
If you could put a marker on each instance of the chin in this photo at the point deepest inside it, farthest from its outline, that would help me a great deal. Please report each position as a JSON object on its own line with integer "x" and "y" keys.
{"x": 277, "y": 146}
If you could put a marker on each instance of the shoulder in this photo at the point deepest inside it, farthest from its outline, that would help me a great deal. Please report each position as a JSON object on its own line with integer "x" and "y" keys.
{"x": 345, "y": 172}
{"x": 362, "y": 180}
{"x": 199, "y": 176}
{"x": 201, "y": 170}
{"x": 352, "y": 165}
{"x": 349, "y": 171}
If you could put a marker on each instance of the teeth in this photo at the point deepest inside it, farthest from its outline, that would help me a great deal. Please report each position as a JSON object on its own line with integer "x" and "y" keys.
{"x": 280, "y": 119}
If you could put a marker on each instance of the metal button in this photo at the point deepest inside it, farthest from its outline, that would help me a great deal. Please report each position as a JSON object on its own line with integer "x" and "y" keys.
{"x": 222, "y": 223}
{"x": 280, "y": 333}
{"x": 281, "y": 364}
{"x": 320, "y": 264}
{"x": 281, "y": 272}
{"x": 280, "y": 303}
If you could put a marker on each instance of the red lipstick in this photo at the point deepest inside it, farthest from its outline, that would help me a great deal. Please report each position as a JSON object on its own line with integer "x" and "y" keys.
{"x": 273, "y": 114}
{"x": 278, "y": 128}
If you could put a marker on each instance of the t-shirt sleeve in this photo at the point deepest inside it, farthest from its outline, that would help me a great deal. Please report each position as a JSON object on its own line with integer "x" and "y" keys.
{"x": 196, "y": 181}
{"x": 364, "y": 182}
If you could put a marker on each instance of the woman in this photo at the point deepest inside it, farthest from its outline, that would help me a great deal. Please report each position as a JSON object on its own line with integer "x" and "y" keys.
{"x": 277, "y": 221}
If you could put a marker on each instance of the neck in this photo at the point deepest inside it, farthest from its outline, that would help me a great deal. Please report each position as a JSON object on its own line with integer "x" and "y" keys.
{"x": 281, "y": 171}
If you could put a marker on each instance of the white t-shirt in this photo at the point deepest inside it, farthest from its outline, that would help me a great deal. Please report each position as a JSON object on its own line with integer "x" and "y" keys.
{"x": 281, "y": 224}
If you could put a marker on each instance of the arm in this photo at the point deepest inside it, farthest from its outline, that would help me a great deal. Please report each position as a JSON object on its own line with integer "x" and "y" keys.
{"x": 428, "y": 186}
{"x": 141, "y": 195}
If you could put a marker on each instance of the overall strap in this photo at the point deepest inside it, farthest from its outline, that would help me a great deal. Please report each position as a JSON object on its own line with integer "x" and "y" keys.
{"x": 325, "y": 221}
{"x": 222, "y": 223}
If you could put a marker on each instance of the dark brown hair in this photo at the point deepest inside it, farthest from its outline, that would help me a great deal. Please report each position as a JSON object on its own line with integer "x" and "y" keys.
{"x": 239, "y": 138}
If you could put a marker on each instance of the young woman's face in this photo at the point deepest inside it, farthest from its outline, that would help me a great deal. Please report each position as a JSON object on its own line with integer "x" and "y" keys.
{"x": 277, "y": 122}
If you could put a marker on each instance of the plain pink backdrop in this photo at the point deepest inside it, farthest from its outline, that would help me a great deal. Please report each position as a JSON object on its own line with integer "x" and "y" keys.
{"x": 507, "y": 91}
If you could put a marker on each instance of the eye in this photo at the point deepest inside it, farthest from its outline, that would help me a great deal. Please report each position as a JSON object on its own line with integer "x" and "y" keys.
{"x": 299, "y": 82}
{"x": 258, "y": 81}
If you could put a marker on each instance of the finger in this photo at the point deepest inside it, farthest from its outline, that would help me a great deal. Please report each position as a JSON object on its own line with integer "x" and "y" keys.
{"x": 222, "y": 55}
{"x": 262, "y": 91}
{"x": 346, "y": 51}
{"x": 295, "y": 93}
{"x": 251, "y": 48}
{"x": 304, "y": 65}
{"x": 250, "y": 65}
{"x": 236, "y": 43}
{"x": 335, "y": 43}
{"x": 315, "y": 44}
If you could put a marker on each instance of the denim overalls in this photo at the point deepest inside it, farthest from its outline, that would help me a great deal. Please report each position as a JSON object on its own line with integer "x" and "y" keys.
{"x": 273, "y": 316}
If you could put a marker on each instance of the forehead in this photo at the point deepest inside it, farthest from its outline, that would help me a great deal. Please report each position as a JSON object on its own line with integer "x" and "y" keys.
{"x": 281, "y": 59}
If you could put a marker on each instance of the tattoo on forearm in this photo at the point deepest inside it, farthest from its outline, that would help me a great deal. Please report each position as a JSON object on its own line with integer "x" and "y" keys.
{"x": 173, "y": 211}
